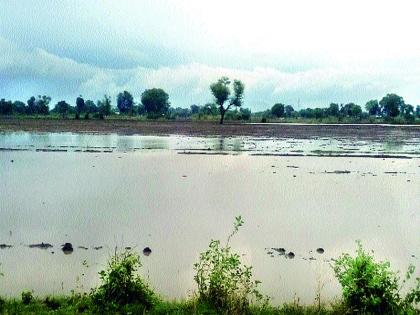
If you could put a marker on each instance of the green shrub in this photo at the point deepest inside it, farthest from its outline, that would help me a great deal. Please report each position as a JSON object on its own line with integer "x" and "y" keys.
{"x": 52, "y": 303}
{"x": 223, "y": 281}
{"x": 27, "y": 297}
{"x": 371, "y": 287}
{"x": 121, "y": 284}
{"x": 2, "y": 302}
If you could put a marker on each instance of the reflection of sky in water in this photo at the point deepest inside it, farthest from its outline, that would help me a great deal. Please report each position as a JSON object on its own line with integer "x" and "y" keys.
{"x": 112, "y": 142}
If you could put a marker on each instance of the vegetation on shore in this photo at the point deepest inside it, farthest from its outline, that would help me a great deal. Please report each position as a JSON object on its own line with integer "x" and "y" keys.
{"x": 227, "y": 105}
{"x": 226, "y": 286}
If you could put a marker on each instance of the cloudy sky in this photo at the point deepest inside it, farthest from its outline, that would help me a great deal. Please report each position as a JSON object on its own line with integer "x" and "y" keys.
{"x": 302, "y": 52}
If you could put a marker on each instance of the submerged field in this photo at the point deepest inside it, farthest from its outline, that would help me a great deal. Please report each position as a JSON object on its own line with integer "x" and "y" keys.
{"x": 174, "y": 194}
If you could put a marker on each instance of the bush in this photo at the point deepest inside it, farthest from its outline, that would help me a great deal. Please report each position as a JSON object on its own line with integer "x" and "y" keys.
{"x": 371, "y": 287}
{"x": 223, "y": 281}
{"x": 27, "y": 297}
{"x": 121, "y": 285}
{"x": 52, "y": 303}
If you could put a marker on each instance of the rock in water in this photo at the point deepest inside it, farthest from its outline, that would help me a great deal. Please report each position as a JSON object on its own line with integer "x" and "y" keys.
{"x": 147, "y": 251}
{"x": 67, "y": 248}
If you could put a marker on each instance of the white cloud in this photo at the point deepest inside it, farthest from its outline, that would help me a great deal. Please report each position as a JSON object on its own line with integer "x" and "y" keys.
{"x": 187, "y": 84}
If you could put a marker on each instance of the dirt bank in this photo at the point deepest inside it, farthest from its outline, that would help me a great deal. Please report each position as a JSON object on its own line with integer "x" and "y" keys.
{"x": 199, "y": 128}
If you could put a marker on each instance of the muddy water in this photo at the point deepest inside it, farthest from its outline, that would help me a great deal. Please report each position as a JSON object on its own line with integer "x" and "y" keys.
{"x": 155, "y": 196}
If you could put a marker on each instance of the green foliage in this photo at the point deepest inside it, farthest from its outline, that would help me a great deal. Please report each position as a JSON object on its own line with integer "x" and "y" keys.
{"x": 27, "y": 297}
{"x": 155, "y": 102}
{"x": 80, "y": 105}
{"x": 104, "y": 106}
{"x": 370, "y": 286}
{"x": 391, "y": 104}
{"x": 121, "y": 284}
{"x": 52, "y": 303}
{"x": 221, "y": 92}
{"x": 223, "y": 281}
{"x": 277, "y": 110}
{"x": 373, "y": 107}
{"x": 125, "y": 102}
{"x": 62, "y": 108}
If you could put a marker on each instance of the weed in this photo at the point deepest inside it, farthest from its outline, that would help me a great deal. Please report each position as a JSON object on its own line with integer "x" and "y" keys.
{"x": 27, "y": 297}
{"x": 121, "y": 285}
{"x": 372, "y": 287}
{"x": 223, "y": 281}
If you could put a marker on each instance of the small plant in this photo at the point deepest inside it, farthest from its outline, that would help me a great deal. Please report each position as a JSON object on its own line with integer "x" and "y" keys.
{"x": 52, "y": 303}
{"x": 223, "y": 281}
{"x": 27, "y": 297}
{"x": 371, "y": 287}
{"x": 121, "y": 285}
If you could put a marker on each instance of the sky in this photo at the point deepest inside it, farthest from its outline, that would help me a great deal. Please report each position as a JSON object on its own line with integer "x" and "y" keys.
{"x": 307, "y": 53}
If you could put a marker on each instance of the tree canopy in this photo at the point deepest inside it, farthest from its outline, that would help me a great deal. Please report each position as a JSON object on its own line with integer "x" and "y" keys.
{"x": 221, "y": 91}
{"x": 155, "y": 102}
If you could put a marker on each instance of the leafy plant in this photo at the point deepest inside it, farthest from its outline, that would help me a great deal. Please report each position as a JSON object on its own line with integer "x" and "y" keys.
{"x": 121, "y": 284}
{"x": 372, "y": 287}
{"x": 223, "y": 281}
{"x": 27, "y": 297}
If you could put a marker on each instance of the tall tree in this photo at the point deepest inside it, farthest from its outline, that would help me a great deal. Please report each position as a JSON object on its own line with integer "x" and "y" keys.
{"x": 104, "y": 106}
{"x": 333, "y": 110}
{"x": 62, "y": 108}
{"x": 277, "y": 110}
{"x": 6, "y": 107}
{"x": 391, "y": 104}
{"x": 80, "y": 105}
{"x": 155, "y": 102}
{"x": 221, "y": 91}
{"x": 288, "y": 110}
{"x": 125, "y": 102}
{"x": 373, "y": 108}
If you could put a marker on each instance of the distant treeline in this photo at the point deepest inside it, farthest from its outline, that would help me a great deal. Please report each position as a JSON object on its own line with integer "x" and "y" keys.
{"x": 155, "y": 104}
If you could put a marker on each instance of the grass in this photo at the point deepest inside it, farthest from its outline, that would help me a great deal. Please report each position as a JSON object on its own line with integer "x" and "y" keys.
{"x": 226, "y": 286}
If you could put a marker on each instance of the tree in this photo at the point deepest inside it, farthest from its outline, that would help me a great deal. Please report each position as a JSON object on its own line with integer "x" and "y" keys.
{"x": 104, "y": 106}
{"x": 42, "y": 104}
{"x": 351, "y": 110}
{"x": 6, "y": 107}
{"x": 31, "y": 105}
{"x": 195, "y": 109}
{"x": 373, "y": 108}
{"x": 62, "y": 108}
{"x": 90, "y": 107}
{"x": 277, "y": 110}
{"x": 19, "y": 107}
{"x": 125, "y": 103}
{"x": 221, "y": 92}
{"x": 155, "y": 102}
{"x": 391, "y": 104}
{"x": 418, "y": 110}
{"x": 408, "y": 112}
{"x": 333, "y": 110}
{"x": 288, "y": 110}
{"x": 209, "y": 109}
{"x": 80, "y": 105}
{"x": 39, "y": 105}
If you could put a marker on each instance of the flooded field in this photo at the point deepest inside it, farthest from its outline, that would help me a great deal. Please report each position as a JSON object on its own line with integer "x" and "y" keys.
{"x": 312, "y": 197}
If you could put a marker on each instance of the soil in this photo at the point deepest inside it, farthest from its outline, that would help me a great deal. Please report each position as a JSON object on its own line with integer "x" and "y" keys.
{"x": 205, "y": 128}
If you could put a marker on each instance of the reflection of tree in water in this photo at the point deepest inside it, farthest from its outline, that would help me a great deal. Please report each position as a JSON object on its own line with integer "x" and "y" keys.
{"x": 391, "y": 144}
{"x": 129, "y": 143}
{"x": 227, "y": 144}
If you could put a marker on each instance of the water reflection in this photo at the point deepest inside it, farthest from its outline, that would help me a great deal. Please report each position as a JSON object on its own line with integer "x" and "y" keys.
{"x": 115, "y": 143}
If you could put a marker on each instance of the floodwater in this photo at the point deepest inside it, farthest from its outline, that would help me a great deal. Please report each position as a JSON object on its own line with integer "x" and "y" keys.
{"x": 174, "y": 194}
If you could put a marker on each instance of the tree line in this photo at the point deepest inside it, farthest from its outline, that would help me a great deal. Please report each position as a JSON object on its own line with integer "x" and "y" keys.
{"x": 389, "y": 107}
{"x": 227, "y": 104}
